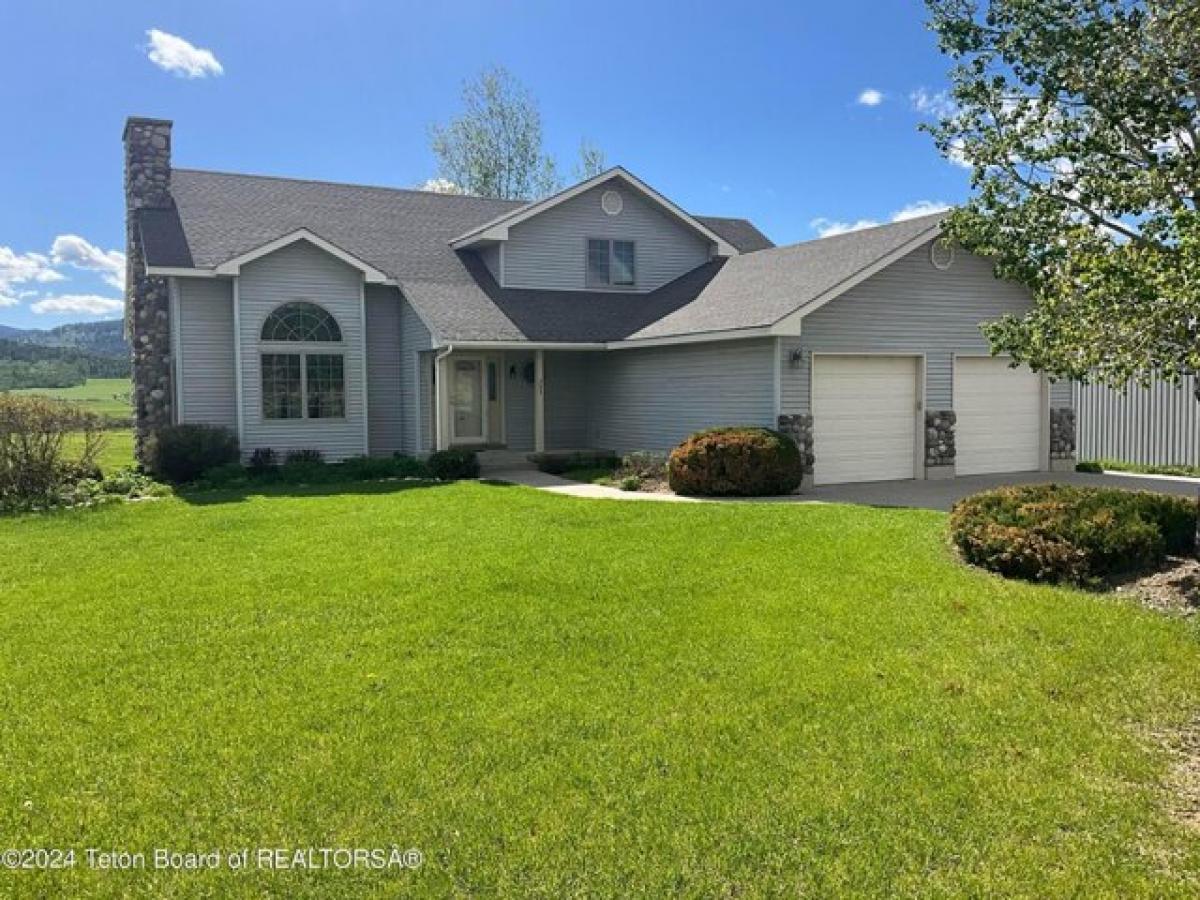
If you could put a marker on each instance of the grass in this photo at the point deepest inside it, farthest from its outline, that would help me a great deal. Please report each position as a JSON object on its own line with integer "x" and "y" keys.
{"x": 591, "y": 475}
{"x": 1115, "y": 465}
{"x": 117, "y": 452}
{"x": 103, "y": 396}
{"x": 556, "y": 697}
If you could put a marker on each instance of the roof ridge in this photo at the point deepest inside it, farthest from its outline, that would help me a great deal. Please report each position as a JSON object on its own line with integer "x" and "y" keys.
{"x": 858, "y": 231}
{"x": 347, "y": 184}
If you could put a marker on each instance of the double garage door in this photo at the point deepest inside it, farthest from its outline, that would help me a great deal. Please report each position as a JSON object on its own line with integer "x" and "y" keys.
{"x": 868, "y": 426}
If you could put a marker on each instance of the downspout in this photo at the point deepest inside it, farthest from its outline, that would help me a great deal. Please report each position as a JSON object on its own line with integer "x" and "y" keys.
{"x": 440, "y": 425}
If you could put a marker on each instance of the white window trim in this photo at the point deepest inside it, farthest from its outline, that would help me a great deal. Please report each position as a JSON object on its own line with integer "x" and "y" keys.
{"x": 304, "y": 349}
{"x": 610, "y": 285}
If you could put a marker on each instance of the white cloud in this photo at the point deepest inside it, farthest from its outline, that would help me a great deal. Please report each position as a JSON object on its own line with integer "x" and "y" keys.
{"x": 90, "y": 304}
{"x": 918, "y": 209}
{"x": 6, "y": 300}
{"x": 927, "y": 103}
{"x": 72, "y": 250}
{"x": 441, "y": 186}
{"x": 19, "y": 268}
{"x": 870, "y": 97}
{"x": 173, "y": 54}
{"x": 958, "y": 154}
{"x": 831, "y": 227}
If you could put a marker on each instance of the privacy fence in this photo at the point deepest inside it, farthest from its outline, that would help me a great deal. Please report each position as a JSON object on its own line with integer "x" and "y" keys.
{"x": 1158, "y": 425}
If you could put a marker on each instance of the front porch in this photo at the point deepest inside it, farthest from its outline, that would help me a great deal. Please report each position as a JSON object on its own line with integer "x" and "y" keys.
{"x": 509, "y": 403}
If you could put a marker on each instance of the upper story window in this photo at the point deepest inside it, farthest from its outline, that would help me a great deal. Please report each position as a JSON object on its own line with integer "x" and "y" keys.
{"x": 611, "y": 263}
{"x": 302, "y": 383}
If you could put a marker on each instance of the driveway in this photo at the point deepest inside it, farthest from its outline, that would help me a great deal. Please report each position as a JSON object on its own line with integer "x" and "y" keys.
{"x": 943, "y": 494}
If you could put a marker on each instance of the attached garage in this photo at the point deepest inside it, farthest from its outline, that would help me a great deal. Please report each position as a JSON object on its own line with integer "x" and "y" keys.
{"x": 865, "y": 417}
{"x": 999, "y": 412}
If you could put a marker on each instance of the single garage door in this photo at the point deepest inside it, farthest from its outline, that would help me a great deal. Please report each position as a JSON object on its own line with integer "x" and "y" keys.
{"x": 999, "y": 413}
{"x": 864, "y": 418}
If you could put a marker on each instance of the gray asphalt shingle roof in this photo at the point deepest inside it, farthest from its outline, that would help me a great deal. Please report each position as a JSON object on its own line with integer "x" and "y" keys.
{"x": 406, "y": 233}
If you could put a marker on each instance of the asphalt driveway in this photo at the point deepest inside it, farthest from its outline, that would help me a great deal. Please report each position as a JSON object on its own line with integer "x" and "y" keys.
{"x": 943, "y": 494}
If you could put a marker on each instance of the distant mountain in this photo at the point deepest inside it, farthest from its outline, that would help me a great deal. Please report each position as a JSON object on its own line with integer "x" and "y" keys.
{"x": 105, "y": 338}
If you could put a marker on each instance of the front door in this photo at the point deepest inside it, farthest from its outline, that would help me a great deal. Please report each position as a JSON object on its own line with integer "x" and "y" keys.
{"x": 466, "y": 401}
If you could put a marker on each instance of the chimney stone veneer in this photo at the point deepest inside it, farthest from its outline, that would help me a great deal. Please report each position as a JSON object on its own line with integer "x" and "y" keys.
{"x": 147, "y": 299}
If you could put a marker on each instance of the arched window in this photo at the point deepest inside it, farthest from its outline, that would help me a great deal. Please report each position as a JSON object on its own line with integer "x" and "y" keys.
{"x": 302, "y": 384}
{"x": 301, "y": 322}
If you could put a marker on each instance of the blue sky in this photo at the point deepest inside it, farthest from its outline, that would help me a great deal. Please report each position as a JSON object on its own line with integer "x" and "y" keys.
{"x": 753, "y": 111}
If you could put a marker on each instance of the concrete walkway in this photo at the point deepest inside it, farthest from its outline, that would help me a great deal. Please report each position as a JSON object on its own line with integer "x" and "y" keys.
{"x": 556, "y": 485}
{"x": 939, "y": 495}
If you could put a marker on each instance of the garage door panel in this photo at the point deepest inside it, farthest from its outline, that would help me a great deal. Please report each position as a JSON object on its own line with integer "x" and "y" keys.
{"x": 999, "y": 412}
{"x": 864, "y": 418}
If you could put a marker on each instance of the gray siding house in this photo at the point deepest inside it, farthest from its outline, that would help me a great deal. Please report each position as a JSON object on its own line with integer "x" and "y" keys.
{"x": 363, "y": 320}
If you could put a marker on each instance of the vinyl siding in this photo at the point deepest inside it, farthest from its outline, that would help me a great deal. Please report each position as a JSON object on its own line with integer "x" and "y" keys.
{"x": 909, "y": 307}
{"x": 415, "y": 382}
{"x": 548, "y": 250}
{"x": 518, "y": 403}
{"x": 567, "y": 401}
{"x": 385, "y": 401}
{"x": 300, "y": 271}
{"x": 650, "y": 399}
{"x": 207, "y": 382}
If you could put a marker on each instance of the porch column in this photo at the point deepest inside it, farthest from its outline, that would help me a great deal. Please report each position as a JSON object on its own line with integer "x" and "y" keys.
{"x": 539, "y": 401}
{"x": 441, "y": 402}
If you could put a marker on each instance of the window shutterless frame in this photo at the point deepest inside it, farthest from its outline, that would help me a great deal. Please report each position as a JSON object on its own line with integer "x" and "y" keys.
{"x": 308, "y": 334}
{"x": 609, "y": 263}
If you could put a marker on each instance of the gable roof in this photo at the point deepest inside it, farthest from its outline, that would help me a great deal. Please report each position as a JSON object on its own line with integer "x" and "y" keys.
{"x": 497, "y": 229}
{"x": 220, "y": 219}
{"x": 760, "y": 290}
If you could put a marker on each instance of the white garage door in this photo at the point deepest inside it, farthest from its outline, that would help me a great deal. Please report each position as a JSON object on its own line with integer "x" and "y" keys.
{"x": 864, "y": 418}
{"x": 999, "y": 413}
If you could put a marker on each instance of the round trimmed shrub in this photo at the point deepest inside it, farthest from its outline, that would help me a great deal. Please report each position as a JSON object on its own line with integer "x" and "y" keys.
{"x": 452, "y": 465}
{"x": 1079, "y": 535}
{"x": 735, "y": 462}
{"x": 182, "y": 453}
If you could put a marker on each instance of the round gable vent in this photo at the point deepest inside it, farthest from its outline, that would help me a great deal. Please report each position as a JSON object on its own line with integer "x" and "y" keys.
{"x": 611, "y": 203}
{"x": 941, "y": 254}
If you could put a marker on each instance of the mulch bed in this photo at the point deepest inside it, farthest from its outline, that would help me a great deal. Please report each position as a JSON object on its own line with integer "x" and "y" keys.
{"x": 1173, "y": 590}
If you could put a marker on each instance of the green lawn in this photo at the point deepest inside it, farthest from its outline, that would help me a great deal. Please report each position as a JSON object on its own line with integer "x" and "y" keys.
{"x": 557, "y": 697}
{"x": 103, "y": 396}
{"x": 117, "y": 452}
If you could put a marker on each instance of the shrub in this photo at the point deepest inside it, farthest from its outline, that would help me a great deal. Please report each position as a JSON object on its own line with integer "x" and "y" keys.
{"x": 644, "y": 464}
{"x": 1088, "y": 466}
{"x": 735, "y": 462}
{"x": 229, "y": 475}
{"x": 33, "y": 466}
{"x": 182, "y": 453}
{"x": 263, "y": 460}
{"x": 123, "y": 484}
{"x": 631, "y": 483}
{"x": 451, "y": 465}
{"x": 1050, "y": 532}
{"x": 558, "y": 463}
{"x": 363, "y": 468}
{"x": 304, "y": 455}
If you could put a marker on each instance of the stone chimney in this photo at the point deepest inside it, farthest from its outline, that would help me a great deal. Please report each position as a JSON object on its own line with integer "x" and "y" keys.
{"x": 147, "y": 303}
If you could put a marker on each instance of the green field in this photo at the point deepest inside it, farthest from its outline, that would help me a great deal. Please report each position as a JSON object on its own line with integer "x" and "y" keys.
{"x": 103, "y": 396}
{"x": 555, "y": 697}
{"x": 117, "y": 452}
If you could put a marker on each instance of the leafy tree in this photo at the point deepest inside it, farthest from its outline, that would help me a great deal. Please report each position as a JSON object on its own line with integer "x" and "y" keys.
{"x": 1079, "y": 119}
{"x": 494, "y": 147}
{"x": 591, "y": 161}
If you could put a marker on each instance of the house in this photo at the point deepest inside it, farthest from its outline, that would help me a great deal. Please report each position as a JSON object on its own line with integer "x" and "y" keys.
{"x": 365, "y": 320}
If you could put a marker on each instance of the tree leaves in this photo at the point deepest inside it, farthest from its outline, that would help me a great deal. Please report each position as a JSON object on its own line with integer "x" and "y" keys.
{"x": 1079, "y": 118}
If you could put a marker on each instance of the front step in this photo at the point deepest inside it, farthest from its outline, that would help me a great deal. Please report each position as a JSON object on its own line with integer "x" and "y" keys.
{"x": 501, "y": 460}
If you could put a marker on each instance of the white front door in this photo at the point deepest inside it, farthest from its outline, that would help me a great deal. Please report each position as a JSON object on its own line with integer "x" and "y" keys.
{"x": 864, "y": 418}
{"x": 466, "y": 400}
{"x": 999, "y": 412}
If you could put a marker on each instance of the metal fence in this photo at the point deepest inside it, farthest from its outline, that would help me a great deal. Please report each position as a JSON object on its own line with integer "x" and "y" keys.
{"x": 1158, "y": 425}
